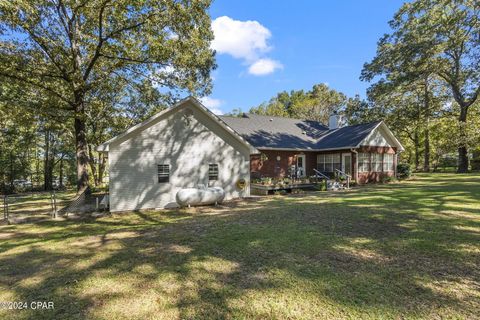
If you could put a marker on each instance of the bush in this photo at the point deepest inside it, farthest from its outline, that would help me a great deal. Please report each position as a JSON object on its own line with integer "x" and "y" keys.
{"x": 475, "y": 163}
{"x": 403, "y": 171}
{"x": 388, "y": 179}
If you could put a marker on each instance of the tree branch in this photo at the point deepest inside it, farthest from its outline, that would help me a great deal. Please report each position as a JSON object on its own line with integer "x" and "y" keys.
{"x": 38, "y": 85}
{"x": 133, "y": 60}
{"x": 102, "y": 40}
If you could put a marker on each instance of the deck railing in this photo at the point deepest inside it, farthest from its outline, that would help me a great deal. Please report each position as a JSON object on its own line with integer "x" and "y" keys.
{"x": 346, "y": 175}
{"x": 318, "y": 173}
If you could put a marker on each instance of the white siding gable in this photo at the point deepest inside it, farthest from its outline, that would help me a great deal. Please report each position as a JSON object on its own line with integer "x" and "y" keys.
{"x": 376, "y": 139}
{"x": 188, "y": 140}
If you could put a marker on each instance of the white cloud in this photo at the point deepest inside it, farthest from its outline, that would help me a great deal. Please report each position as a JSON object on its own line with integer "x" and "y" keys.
{"x": 241, "y": 39}
{"x": 246, "y": 40}
{"x": 264, "y": 66}
{"x": 212, "y": 104}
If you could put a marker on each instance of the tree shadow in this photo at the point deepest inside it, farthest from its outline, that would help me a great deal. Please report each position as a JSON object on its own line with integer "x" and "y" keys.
{"x": 385, "y": 251}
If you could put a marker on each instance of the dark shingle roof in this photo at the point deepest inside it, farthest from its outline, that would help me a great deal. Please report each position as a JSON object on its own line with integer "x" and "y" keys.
{"x": 287, "y": 133}
{"x": 349, "y": 136}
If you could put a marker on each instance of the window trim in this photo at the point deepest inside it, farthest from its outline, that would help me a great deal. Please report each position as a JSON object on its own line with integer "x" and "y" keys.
{"x": 163, "y": 176}
{"x": 388, "y": 164}
{"x": 335, "y": 161}
{"x": 376, "y": 160}
{"x": 213, "y": 171}
{"x": 361, "y": 161}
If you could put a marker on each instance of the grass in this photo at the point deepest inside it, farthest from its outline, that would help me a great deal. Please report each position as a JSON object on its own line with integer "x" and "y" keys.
{"x": 403, "y": 250}
{"x": 34, "y": 205}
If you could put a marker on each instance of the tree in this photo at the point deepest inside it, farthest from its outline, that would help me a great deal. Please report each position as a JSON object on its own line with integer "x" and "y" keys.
{"x": 66, "y": 49}
{"x": 317, "y": 104}
{"x": 359, "y": 111}
{"x": 236, "y": 112}
{"x": 434, "y": 37}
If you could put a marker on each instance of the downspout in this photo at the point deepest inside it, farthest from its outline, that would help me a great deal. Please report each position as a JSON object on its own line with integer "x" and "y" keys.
{"x": 356, "y": 164}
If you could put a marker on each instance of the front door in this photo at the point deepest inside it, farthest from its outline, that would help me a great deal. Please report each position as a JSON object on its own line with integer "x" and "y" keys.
{"x": 347, "y": 163}
{"x": 301, "y": 165}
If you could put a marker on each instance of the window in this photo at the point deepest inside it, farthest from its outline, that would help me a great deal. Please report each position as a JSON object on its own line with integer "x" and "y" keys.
{"x": 321, "y": 162}
{"x": 387, "y": 162}
{"x": 213, "y": 171}
{"x": 336, "y": 162}
{"x": 328, "y": 162}
{"x": 363, "y": 162}
{"x": 163, "y": 173}
{"x": 377, "y": 163}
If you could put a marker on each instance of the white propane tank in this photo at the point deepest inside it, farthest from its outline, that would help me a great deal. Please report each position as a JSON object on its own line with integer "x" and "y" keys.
{"x": 200, "y": 196}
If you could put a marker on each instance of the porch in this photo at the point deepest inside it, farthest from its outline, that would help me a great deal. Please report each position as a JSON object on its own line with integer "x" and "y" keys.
{"x": 363, "y": 165}
{"x": 301, "y": 164}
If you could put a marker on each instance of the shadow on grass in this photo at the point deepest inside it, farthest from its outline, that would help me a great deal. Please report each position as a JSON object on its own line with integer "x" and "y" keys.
{"x": 390, "y": 250}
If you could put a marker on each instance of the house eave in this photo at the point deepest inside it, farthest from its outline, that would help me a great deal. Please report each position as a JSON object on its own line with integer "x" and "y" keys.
{"x": 304, "y": 150}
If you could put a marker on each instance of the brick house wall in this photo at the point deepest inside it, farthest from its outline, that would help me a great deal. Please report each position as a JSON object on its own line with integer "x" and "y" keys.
{"x": 279, "y": 168}
{"x": 368, "y": 177}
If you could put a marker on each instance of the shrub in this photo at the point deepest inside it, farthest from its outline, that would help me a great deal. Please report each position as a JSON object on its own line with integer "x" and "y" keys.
{"x": 475, "y": 163}
{"x": 388, "y": 179}
{"x": 266, "y": 181}
{"x": 403, "y": 171}
{"x": 324, "y": 186}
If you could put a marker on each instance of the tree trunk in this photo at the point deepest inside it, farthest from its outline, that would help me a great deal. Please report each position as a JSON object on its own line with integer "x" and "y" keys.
{"x": 81, "y": 146}
{"x": 462, "y": 148}
{"x": 61, "y": 173}
{"x": 426, "y": 162}
{"x": 417, "y": 150}
{"x": 47, "y": 164}
{"x": 93, "y": 166}
{"x": 37, "y": 167}
{"x": 12, "y": 170}
{"x": 101, "y": 168}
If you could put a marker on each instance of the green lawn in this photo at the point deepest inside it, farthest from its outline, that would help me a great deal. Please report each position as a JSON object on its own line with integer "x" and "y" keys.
{"x": 34, "y": 206}
{"x": 404, "y": 250}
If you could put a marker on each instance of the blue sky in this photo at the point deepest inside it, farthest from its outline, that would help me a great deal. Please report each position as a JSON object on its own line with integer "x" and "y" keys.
{"x": 264, "y": 47}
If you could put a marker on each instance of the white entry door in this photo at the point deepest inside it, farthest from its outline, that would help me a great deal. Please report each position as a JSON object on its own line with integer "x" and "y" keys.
{"x": 347, "y": 163}
{"x": 301, "y": 165}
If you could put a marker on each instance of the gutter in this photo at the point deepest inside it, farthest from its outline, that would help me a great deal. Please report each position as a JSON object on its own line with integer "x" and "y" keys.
{"x": 305, "y": 150}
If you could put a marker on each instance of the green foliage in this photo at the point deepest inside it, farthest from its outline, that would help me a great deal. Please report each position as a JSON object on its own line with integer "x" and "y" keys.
{"x": 236, "y": 112}
{"x": 388, "y": 179}
{"x": 317, "y": 104}
{"x": 475, "y": 162}
{"x": 403, "y": 171}
{"x": 435, "y": 41}
{"x": 73, "y": 55}
{"x": 359, "y": 111}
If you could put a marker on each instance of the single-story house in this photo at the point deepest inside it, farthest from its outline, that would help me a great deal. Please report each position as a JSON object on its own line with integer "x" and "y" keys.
{"x": 187, "y": 145}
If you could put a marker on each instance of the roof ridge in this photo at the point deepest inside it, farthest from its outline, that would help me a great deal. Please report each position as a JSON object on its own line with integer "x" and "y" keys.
{"x": 289, "y": 118}
{"x": 362, "y": 124}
